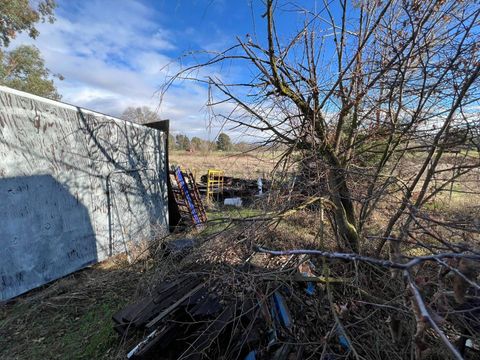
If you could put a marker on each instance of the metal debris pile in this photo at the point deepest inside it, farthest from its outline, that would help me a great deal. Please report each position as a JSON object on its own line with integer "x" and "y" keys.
{"x": 234, "y": 187}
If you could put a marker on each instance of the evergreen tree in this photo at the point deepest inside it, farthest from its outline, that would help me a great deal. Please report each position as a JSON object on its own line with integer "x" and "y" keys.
{"x": 223, "y": 142}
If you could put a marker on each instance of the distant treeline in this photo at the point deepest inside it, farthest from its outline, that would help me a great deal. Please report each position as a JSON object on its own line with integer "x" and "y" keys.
{"x": 222, "y": 143}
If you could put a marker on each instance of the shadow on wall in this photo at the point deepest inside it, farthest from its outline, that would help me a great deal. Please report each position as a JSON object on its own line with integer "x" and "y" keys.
{"x": 137, "y": 183}
{"x": 45, "y": 233}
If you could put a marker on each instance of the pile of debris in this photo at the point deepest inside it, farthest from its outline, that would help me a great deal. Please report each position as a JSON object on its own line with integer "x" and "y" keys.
{"x": 221, "y": 297}
{"x": 206, "y": 314}
{"x": 185, "y": 204}
{"x": 238, "y": 187}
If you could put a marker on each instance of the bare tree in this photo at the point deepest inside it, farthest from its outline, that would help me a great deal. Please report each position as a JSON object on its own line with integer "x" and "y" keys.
{"x": 383, "y": 98}
{"x": 140, "y": 115}
{"x": 401, "y": 78}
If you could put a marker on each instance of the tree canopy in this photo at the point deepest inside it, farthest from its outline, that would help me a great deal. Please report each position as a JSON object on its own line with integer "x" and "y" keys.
{"x": 223, "y": 142}
{"x": 23, "y": 15}
{"x": 24, "y": 69}
{"x": 182, "y": 142}
{"x": 140, "y": 115}
{"x": 196, "y": 143}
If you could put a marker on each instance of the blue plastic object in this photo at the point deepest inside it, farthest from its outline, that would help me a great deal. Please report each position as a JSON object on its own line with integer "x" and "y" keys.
{"x": 282, "y": 310}
{"x": 251, "y": 355}
{"x": 310, "y": 290}
{"x": 272, "y": 333}
{"x": 191, "y": 205}
{"x": 342, "y": 340}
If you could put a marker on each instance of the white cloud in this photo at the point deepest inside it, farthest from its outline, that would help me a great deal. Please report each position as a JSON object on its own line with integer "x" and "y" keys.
{"x": 116, "y": 56}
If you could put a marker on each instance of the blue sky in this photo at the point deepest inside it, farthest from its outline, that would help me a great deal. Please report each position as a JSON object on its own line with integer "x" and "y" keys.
{"x": 117, "y": 53}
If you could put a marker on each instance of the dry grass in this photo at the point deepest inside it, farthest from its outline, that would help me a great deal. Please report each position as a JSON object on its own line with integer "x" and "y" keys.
{"x": 250, "y": 166}
{"x": 71, "y": 317}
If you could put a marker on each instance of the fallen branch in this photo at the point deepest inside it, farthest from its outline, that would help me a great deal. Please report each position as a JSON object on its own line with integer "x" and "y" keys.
{"x": 426, "y": 317}
{"x": 301, "y": 278}
{"x": 355, "y": 257}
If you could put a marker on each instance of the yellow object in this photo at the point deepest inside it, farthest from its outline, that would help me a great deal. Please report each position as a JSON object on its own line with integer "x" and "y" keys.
{"x": 214, "y": 183}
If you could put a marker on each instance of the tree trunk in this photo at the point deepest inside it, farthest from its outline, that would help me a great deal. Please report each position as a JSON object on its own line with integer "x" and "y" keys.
{"x": 341, "y": 197}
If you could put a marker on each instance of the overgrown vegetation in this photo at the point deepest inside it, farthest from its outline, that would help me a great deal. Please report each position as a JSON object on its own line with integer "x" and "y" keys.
{"x": 376, "y": 107}
{"x": 70, "y": 317}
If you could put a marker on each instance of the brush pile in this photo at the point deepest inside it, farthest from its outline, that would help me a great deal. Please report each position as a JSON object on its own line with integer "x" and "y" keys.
{"x": 215, "y": 314}
{"x": 264, "y": 307}
{"x": 223, "y": 298}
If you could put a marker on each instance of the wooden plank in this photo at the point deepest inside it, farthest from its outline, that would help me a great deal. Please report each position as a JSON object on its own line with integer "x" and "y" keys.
{"x": 172, "y": 307}
{"x": 208, "y": 307}
{"x": 164, "y": 298}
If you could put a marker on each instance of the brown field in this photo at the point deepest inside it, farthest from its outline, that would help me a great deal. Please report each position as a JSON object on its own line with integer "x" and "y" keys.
{"x": 244, "y": 165}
